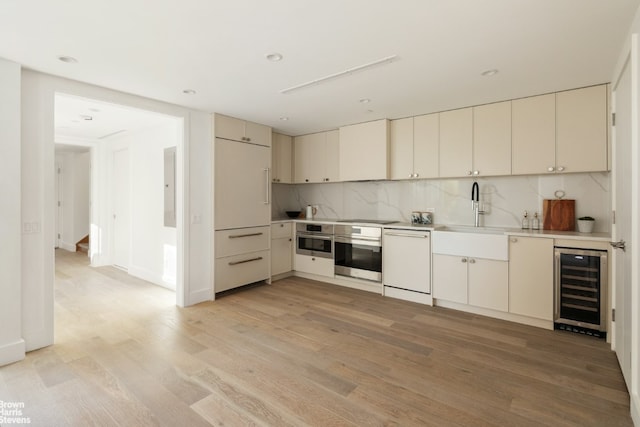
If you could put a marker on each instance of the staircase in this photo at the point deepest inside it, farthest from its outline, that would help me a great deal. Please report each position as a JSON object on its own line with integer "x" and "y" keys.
{"x": 83, "y": 245}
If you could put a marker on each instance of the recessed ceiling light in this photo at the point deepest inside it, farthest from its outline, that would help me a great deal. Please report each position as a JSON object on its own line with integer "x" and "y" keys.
{"x": 274, "y": 57}
{"x": 86, "y": 117}
{"x": 68, "y": 59}
{"x": 369, "y": 111}
{"x": 365, "y": 101}
{"x": 94, "y": 110}
{"x": 189, "y": 92}
{"x": 489, "y": 73}
{"x": 284, "y": 119}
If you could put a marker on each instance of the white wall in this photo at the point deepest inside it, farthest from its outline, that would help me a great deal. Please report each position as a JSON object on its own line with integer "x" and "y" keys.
{"x": 74, "y": 197}
{"x": 506, "y": 198}
{"x": 12, "y": 345}
{"x": 37, "y": 164}
{"x": 153, "y": 246}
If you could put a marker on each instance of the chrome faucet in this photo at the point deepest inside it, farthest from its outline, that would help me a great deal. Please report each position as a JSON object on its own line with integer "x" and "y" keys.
{"x": 475, "y": 204}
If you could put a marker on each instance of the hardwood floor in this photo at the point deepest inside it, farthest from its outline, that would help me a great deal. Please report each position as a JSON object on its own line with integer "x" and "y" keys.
{"x": 300, "y": 352}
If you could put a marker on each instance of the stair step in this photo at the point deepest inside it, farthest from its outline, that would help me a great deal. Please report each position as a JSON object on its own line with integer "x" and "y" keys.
{"x": 82, "y": 247}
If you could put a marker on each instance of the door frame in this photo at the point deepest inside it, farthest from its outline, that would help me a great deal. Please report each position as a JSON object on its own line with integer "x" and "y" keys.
{"x": 631, "y": 54}
{"x": 111, "y": 197}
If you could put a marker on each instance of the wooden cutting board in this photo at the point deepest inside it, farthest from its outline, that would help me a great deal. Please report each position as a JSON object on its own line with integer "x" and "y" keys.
{"x": 559, "y": 214}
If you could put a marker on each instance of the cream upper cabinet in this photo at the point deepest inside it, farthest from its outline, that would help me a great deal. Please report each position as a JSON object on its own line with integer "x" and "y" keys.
{"x": 456, "y": 143}
{"x": 492, "y": 139}
{"x": 316, "y": 157}
{"x": 413, "y": 148}
{"x": 426, "y": 141}
{"x": 241, "y": 130}
{"x": 281, "y": 158}
{"x": 401, "y": 148}
{"x": 534, "y": 134}
{"x": 364, "y": 151}
{"x": 581, "y": 139}
{"x": 531, "y": 277}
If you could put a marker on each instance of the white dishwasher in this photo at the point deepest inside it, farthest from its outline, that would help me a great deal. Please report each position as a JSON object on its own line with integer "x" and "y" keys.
{"x": 406, "y": 264}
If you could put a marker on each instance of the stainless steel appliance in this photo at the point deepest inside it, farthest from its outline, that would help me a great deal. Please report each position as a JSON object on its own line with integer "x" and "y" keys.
{"x": 358, "y": 252}
{"x": 314, "y": 240}
{"x": 580, "y": 290}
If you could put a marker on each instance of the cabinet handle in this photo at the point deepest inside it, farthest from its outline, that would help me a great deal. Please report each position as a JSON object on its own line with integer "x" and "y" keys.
{"x": 266, "y": 171}
{"x": 238, "y": 236}
{"x": 469, "y": 173}
{"x": 245, "y": 261}
{"x": 248, "y": 139}
{"x": 326, "y": 179}
{"x": 476, "y": 172}
{"x": 472, "y": 261}
{"x": 415, "y": 236}
{"x": 550, "y": 169}
{"x": 560, "y": 168}
{"x": 313, "y": 259}
{"x": 514, "y": 239}
{"x": 463, "y": 260}
{"x": 416, "y": 175}
{"x": 306, "y": 180}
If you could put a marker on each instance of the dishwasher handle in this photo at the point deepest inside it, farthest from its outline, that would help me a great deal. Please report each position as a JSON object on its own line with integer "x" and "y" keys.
{"x": 415, "y": 236}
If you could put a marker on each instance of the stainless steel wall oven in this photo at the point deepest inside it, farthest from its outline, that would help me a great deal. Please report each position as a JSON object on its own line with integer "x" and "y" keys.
{"x": 314, "y": 240}
{"x": 358, "y": 252}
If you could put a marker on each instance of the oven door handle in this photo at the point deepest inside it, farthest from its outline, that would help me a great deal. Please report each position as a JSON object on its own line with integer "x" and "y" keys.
{"x": 363, "y": 241}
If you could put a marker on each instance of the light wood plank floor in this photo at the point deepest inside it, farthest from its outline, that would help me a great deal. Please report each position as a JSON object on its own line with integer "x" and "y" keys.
{"x": 296, "y": 353}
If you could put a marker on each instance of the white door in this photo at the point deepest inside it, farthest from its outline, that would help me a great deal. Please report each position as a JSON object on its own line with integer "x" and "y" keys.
{"x": 58, "y": 202}
{"x": 622, "y": 226}
{"x": 121, "y": 211}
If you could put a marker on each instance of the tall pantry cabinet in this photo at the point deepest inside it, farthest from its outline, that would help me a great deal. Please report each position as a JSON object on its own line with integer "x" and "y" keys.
{"x": 242, "y": 202}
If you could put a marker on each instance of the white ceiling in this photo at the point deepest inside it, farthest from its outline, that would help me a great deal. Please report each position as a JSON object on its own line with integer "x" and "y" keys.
{"x": 157, "y": 49}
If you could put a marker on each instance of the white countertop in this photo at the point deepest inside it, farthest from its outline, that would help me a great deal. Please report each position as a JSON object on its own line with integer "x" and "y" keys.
{"x": 549, "y": 234}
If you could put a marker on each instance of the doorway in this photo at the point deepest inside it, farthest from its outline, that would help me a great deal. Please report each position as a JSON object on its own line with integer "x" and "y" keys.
{"x": 126, "y": 205}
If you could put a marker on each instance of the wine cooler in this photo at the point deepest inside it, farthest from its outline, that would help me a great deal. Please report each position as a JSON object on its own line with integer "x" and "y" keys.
{"x": 580, "y": 290}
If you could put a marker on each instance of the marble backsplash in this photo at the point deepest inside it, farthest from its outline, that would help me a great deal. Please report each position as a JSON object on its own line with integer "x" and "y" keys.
{"x": 505, "y": 198}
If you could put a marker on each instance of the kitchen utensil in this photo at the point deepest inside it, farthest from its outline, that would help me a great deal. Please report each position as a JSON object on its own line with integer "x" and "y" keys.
{"x": 559, "y": 214}
{"x": 293, "y": 214}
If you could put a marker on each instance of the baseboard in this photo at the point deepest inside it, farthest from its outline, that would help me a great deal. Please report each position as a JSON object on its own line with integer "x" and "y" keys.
{"x": 150, "y": 276}
{"x": 545, "y": 324}
{"x": 12, "y": 352}
{"x": 635, "y": 409}
{"x": 363, "y": 285}
{"x": 68, "y": 246}
{"x": 281, "y": 276}
{"x": 405, "y": 295}
{"x": 197, "y": 297}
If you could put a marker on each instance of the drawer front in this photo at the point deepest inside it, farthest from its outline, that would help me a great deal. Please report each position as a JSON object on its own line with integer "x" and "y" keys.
{"x": 240, "y": 270}
{"x": 241, "y": 240}
{"x": 314, "y": 265}
{"x": 281, "y": 230}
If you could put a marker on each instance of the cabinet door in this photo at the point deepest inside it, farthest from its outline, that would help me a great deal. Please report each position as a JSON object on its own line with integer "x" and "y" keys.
{"x": 534, "y": 135}
{"x": 281, "y": 161}
{"x": 228, "y": 127}
{"x": 364, "y": 151}
{"x": 281, "y": 256}
{"x": 401, "y": 148}
{"x": 531, "y": 277}
{"x": 489, "y": 283}
{"x": 406, "y": 261}
{"x": 581, "y": 144}
{"x": 492, "y": 139}
{"x": 426, "y": 141}
{"x": 257, "y": 134}
{"x": 450, "y": 278}
{"x": 331, "y": 157}
{"x": 456, "y": 140}
{"x": 309, "y": 149}
{"x": 241, "y": 184}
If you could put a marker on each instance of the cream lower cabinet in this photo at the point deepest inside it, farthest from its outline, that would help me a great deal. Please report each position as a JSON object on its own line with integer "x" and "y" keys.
{"x": 531, "y": 277}
{"x": 242, "y": 257}
{"x": 314, "y": 265}
{"x": 471, "y": 280}
{"x": 281, "y": 248}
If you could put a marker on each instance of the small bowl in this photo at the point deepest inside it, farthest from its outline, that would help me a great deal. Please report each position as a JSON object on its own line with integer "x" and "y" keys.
{"x": 293, "y": 214}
